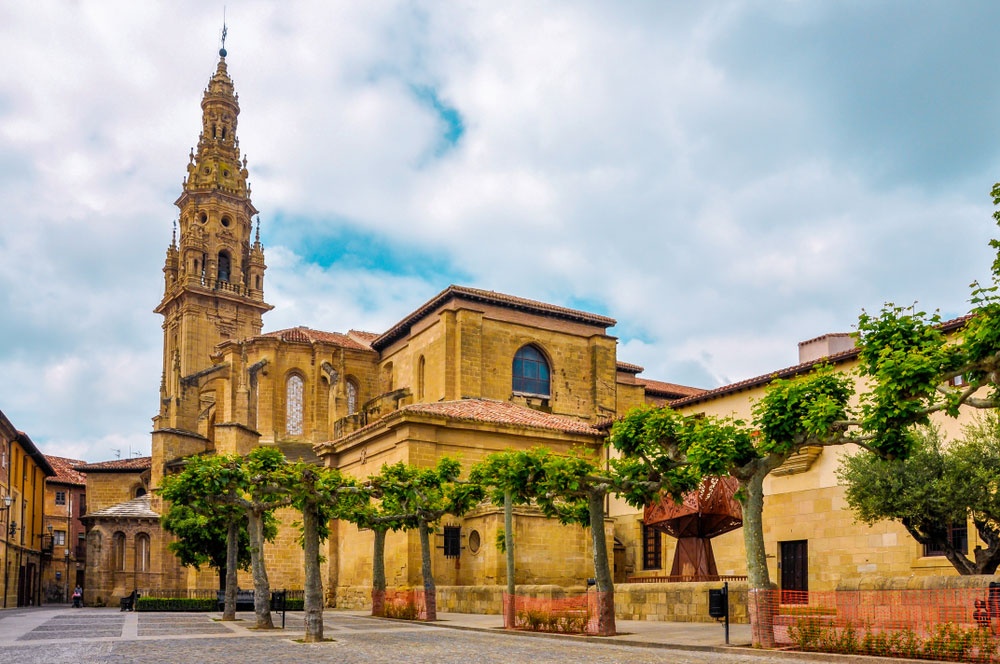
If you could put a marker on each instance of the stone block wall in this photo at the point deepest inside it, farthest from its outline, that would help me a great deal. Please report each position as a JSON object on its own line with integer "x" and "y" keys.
{"x": 669, "y": 602}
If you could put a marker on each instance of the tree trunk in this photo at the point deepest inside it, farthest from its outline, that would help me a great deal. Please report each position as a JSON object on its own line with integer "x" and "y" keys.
{"x": 761, "y": 595}
{"x": 232, "y": 560}
{"x": 378, "y": 574}
{"x": 430, "y": 592}
{"x": 313, "y": 582}
{"x": 602, "y": 570}
{"x": 261, "y": 586}
{"x": 509, "y": 609}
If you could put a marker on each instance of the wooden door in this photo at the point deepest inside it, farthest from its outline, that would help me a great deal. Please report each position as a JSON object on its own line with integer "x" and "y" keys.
{"x": 794, "y": 571}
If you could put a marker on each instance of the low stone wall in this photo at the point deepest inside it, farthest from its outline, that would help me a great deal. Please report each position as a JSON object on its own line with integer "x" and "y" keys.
{"x": 677, "y": 602}
{"x": 917, "y": 582}
{"x": 673, "y": 602}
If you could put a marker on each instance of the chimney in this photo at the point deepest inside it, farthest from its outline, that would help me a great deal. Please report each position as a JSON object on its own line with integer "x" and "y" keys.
{"x": 824, "y": 346}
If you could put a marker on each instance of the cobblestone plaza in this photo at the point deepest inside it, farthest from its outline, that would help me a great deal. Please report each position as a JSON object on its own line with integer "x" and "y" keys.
{"x": 54, "y": 635}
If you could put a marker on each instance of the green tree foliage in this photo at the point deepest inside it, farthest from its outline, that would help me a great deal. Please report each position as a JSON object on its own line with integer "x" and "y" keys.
{"x": 201, "y": 539}
{"x": 321, "y": 494}
{"x": 233, "y": 493}
{"x": 572, "y": 488}
{"x": 419, "y": 497}
{"x": 938, "y": 484}
{"x": 677, "y": 450}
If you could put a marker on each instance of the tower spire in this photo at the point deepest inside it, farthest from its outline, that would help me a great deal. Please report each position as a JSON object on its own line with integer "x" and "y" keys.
{"x": 222, "y": 49}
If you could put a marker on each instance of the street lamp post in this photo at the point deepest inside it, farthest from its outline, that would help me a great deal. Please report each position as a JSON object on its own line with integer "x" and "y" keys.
{"x": 66, "y": 580}
{"x": 8, "y": 500}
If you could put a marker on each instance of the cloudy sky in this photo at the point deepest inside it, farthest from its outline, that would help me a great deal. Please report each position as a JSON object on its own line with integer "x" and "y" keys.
{"x": 723, "y": 178}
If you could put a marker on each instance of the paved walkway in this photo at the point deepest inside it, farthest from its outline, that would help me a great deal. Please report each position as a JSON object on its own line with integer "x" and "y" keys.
{"x": 51, "y": 635}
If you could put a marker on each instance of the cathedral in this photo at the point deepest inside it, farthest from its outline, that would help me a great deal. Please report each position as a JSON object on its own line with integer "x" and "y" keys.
{"x": 467, "y": 373}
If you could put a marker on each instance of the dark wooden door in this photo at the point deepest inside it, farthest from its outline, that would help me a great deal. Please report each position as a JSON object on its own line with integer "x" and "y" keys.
{"x": 794, "y": 571}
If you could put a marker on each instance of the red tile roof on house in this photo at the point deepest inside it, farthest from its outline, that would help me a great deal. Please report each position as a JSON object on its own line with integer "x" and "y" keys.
{"x": 489, "y": 297}
{"x": 66, "y": 472}
{"x": 659, "y": 388}
{"x": 355, "y": 340}
{"x": 625, "y": 367}
{"x": 795, "y": 370}
{"x": 136, "y": 464}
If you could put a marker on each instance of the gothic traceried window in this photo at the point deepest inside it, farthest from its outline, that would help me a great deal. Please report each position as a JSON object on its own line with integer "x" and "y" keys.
{"x": 293, "y": 407}
{"x": 352, "y": 397}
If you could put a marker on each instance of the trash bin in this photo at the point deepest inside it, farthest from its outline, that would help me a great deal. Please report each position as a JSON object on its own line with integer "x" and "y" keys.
{"x": 718, "y": 606}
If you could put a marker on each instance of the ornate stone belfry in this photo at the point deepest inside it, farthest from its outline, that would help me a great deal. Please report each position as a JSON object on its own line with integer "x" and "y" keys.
{"x": 213, "y": 276}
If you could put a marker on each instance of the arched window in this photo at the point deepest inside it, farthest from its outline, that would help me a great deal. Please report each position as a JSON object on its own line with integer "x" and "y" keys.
{"x": 293, "y": 405}
{"x": 387, "y": 378}
{"x": 421, "y": 363}
{"x": 118, "y": 551}
{"x": 224, "y": 268}
{"x": 531, "y": 372}
{"x": 140, "y": 491}
{"x": 142, "y": 552}
{"x": 352, "y": 397}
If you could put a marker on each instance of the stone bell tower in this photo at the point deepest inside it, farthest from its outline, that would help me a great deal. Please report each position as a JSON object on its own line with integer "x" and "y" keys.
{"x": 213, "y": 276}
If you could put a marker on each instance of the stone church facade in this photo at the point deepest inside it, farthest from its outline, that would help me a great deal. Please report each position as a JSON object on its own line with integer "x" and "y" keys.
{"x": 467, "y": 373}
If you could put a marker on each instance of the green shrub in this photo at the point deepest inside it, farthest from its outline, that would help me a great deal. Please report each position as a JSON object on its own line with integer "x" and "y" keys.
{"x": 296, "y": 604}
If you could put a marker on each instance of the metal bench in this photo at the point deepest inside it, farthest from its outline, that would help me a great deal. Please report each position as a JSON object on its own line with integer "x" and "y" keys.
{"x": 244, "y": 600}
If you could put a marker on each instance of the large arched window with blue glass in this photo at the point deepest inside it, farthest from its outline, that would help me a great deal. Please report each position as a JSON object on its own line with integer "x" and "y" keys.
{"x": 531, "y": 371}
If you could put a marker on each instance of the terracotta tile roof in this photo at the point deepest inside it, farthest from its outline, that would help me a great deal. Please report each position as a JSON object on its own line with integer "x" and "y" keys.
{"x": 362, "y": 336}
{"x": 488, "y": 411}
{"x": 502, "y": 412}
{"x": 307, "y": 335}
{"x": 490, "y": 297}
{"x": 66, "y": 472}
{"x": 137, "y": 508}
{"x": 625, "y": 367}
{"x": 660, "y": 388}
{"x": 796, "y": 370}
{"x": 136, "y": 464}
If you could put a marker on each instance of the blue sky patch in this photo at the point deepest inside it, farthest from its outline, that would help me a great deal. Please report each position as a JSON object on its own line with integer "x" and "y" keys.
{"x": 340, "y": 243}
{"x": 448, "y": 116}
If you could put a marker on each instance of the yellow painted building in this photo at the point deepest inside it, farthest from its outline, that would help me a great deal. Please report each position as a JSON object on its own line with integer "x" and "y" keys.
{"x": 23, "y": 470}
{"x": 812, "y": 539}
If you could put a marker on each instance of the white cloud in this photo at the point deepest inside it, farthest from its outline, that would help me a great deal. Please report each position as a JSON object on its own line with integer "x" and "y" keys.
{"x": 718, "y": 177}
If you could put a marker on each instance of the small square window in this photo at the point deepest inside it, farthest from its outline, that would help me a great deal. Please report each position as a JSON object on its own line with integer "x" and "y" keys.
{"x": 60, "y": 497}
{"x": 59, "y": 538}
{"x": 959, "y": 536}
{"x": 452, "y": 541}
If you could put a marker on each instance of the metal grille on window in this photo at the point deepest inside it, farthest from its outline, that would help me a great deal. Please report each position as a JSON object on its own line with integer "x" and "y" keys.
{"x": 452, "y": 541}
{"x": 958, "y": 534}
{"x": 651, "y": 548}
{"x": 293, "y": 418}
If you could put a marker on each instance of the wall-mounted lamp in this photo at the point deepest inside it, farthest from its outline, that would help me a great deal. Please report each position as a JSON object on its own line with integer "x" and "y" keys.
{"x": 7, "y": 501}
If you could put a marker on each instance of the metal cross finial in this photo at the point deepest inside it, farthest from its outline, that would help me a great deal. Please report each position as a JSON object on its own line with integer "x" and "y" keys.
{"x": 222, "y": 51}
